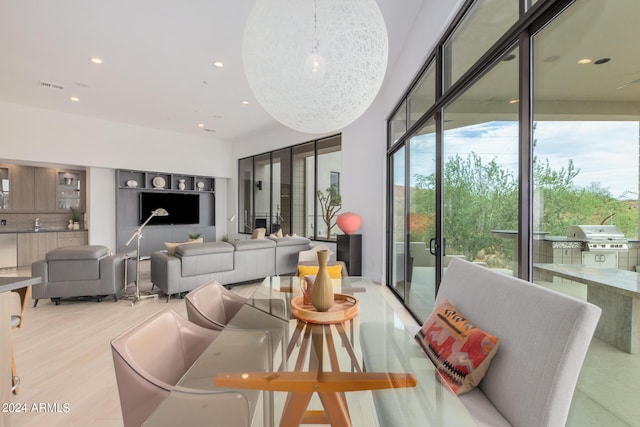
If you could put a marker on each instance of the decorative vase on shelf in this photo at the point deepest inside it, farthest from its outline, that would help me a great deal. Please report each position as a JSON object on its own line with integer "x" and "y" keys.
{"x": 76, "y": 226}
{"x": 322, "y": 294}
{"x": 181, "y": 185}
{"x": 70, "y": 226}
{"x": 349, "y": 222}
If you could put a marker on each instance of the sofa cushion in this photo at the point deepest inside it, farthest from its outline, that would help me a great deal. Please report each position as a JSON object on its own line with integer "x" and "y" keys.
{"x": 78, "y": 252}
{"x": 171, "y": 246}
{"x": 183, "y": 251}
{"x": 290, "y": 241}
{"x": 252, "y": 244}
{"x": 75, "y": 263}
{"x": 205, "y": 258}
{"x": 460, "y": 351}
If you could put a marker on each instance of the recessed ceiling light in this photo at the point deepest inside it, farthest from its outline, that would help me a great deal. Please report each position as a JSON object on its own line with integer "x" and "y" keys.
{"x": 552, "y": 58}
{"x": 509, "y": 57}
{"x": 95, "y": 60}
{"x": 585, "y": 61}
{"x": 245, "y": 102}
{"x": 218, "y": 64}
{"x": 602, "y": 61}
{"x": 200, "y": 125}
{"x": 74, "y": 99}
{"x": 514, "y": 101}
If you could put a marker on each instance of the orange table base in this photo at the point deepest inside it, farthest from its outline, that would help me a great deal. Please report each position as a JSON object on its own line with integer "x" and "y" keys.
{"x": 330, "y": 386}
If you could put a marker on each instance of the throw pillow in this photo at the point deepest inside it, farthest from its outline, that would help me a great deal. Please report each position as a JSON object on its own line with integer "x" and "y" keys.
{"x": 171, "y": 246}
{"x": 460, "y": 351}
{"x": 335, "y": 271}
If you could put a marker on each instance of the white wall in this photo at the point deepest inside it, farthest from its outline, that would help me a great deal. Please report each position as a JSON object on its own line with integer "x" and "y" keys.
{"x": 37, "y": 136}
{"x": 101, "y": 217}
{"x": 363, "y": 176}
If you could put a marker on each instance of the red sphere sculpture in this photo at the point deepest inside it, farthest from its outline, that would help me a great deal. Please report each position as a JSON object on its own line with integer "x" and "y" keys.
{"x": 349, "y": 222}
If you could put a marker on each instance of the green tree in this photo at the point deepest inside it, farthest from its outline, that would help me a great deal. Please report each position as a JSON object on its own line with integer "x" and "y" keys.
{"x": 330, "y": 202}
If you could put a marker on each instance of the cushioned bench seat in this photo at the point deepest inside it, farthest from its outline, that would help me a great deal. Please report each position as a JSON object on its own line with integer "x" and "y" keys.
{"x": 544, "y": 336}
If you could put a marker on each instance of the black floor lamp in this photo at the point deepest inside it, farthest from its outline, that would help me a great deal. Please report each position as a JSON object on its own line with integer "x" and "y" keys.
{"x": 138, "y": 235}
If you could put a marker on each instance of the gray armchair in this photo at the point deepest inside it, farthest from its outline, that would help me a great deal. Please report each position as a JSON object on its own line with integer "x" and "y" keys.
{"x": 76, "y": 271}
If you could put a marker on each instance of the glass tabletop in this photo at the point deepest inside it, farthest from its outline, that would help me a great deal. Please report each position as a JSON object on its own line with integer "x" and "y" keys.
{"x": 366, "y": 371}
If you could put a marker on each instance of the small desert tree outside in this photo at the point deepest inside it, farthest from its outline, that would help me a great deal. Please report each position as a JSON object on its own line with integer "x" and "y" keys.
{"x": 330, "y": 202}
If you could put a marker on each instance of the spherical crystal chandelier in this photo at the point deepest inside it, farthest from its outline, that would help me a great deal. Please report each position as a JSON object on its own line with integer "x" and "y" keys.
{"x": 315, "y": 65}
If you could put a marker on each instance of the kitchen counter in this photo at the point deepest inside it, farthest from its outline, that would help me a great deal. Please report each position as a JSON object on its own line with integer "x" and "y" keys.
{"x": 9, "y": 283}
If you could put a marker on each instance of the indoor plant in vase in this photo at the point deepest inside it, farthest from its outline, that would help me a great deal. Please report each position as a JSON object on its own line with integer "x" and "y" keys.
{"x": 76, "y": 215}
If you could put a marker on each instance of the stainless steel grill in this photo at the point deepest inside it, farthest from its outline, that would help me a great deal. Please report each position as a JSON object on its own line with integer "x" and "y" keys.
{"x": 599, "y": 237}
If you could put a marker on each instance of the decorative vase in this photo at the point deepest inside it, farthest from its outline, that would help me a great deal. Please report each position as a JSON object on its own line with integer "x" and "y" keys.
{"x": 322, "y": 294}
{"x": 70, "y": 226}
{"x": 349, "y": 222}
{"x": 308, "y": 289}
{"x": 76, "y": 226}
{"x": 181, "y": 184}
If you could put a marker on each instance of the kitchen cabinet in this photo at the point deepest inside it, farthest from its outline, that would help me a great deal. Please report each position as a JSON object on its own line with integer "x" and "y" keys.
{"x": 35, "y": 189}
{"x": 70, "y": 191}
{"x": 600, "y": 259}
{"x": 8, "y": 255}
{"x": 34, "y": 246}
{"x": 72, "y": 238}
{"x": 22, "y": 188}
{"x": 4, "y": 188}
{"x": 45, "y": 189}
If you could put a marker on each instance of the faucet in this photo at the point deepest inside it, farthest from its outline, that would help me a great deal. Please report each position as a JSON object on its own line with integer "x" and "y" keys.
{"x": 36, "y": 225}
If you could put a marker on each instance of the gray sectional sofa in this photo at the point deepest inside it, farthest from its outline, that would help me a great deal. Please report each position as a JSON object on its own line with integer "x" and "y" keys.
{"x": 227, "y": 262}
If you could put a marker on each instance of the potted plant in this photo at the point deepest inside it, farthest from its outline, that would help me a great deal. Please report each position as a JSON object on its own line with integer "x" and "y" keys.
{"x": 195, "y": 236}
{"x": 76, "y": 215}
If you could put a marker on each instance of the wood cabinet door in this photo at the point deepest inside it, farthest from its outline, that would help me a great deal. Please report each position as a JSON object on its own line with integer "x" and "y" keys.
{"x": 22, "y": 181}
{"x": 27, "y": 248}
{"x": 45, "y": 189}
{"x": 72, "y": 238}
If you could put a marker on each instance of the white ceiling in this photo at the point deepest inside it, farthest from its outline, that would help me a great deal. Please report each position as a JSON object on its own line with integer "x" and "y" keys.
{"x": 157, "y": 54}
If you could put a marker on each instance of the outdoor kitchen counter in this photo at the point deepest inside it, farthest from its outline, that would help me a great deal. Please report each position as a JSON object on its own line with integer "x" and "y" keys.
{"x": 616, "y": 292}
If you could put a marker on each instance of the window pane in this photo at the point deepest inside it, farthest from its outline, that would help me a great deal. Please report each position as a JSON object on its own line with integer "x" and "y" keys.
{"x": 303, "y": 197}
{"x": 586, "y": 170}
{"x": 482, "y": 26}
{"x": 245, "y": 195}
{"x": 328, "y": 187}
{"x": 281, "y": 199}
{"x": 398, "y": 124}
{"x": 262, "y": 191}
{"x": 422, "y": 213}
{"x": 398, "y": 251}
{"x": 480, "y": 170}
{"x": 423, "y": 95}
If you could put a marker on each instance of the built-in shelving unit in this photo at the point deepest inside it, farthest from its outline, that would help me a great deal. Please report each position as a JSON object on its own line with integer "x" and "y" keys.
{"x": 161, "y": 181}
{"x": 131, "y": 183}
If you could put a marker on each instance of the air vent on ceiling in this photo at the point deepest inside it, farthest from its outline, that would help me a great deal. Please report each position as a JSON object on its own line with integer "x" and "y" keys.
{"x": 208, "y": 130}
{"x": 50, "y": 85}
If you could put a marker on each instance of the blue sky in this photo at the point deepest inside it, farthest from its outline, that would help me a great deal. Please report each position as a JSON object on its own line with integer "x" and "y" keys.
{"x": 605, "y": 152}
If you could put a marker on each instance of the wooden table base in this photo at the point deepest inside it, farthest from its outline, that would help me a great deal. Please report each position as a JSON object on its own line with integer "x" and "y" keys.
{"x": 330, "y": 386}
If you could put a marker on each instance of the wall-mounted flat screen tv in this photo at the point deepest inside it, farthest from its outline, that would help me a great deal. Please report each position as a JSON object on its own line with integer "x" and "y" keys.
{"x": 182, "y": 208}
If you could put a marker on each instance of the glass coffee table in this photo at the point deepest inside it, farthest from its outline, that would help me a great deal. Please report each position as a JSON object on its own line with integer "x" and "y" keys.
{"x": 364, "y": 370}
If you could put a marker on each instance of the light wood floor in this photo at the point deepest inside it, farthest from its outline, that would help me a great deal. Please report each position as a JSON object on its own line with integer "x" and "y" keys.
{"x": 64, "y": 358}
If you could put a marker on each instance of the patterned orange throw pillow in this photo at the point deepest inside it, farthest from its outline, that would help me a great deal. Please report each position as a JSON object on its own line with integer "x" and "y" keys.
{"x": 460, "y": 351}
